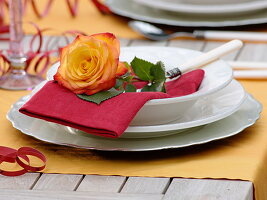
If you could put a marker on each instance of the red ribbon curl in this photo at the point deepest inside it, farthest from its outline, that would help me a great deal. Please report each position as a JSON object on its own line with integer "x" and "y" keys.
{"x": 11, "y": 155}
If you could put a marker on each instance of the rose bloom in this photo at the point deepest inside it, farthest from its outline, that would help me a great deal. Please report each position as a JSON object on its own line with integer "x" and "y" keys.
{"x": 90, "y": 64}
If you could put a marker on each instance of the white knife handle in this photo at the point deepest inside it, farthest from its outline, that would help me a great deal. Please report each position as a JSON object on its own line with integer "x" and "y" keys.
{"x": 245, "y": 65}
{"x": 211, "y": 56}
{"x": 229, "y": 35}
{"x": 250, "y": 74}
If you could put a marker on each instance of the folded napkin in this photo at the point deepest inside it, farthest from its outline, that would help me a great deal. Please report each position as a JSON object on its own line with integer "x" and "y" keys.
{"x": 57, "y": 104}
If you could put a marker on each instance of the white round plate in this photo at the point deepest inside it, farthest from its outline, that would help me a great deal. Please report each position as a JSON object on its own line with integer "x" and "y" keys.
{"x": 248, "y": 113}
{"x": 136, "y": 11}
{"x": 217, "y": 7}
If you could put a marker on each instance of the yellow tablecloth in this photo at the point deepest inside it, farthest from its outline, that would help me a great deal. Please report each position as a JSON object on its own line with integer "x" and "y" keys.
{"x": 243, "y": 156}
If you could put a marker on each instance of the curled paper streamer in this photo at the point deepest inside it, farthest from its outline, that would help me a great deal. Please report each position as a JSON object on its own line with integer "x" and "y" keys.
{"x": 101, "y": 7}
{"x": 43, "y": 12}
{"x": 19, "y": 157}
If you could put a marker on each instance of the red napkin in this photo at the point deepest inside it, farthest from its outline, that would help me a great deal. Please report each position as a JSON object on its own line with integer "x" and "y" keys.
{"x": 110, "y": 119}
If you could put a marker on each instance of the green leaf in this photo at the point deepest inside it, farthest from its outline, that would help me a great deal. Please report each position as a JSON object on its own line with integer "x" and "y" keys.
{"x": 119, "y": 83}
{"x": 147, "y": 88}
{"x": 147, "y": 71}
{"x": 154, "y": 87}
{"x": 130, "y": 88}
{"x": 128, "y": 78}
{"x": 127, "y": 65}
{"x": 127, "y": 74}
{"x": 100, "y": 96}
{"x": 158, "y": 72}
{"x": 142, "y": 68}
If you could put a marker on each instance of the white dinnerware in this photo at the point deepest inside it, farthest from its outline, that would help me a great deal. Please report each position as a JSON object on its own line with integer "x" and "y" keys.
{"x": 217, "y": 76}
{"x": 246, "y": 116}
{"x": 207, "y": 110}
{"x": 205, "y": 7}
{"x": 137, "y": 11}
{"x": 156, "y": 33}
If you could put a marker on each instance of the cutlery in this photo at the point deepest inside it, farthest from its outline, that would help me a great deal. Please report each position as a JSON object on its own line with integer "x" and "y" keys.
{"x": 154, "y": 33}
{"x": 206, "y": 58}
{"x": 250, "y": 74}
{"x": 249, "y": 70}
{"x": 248, "y": 65}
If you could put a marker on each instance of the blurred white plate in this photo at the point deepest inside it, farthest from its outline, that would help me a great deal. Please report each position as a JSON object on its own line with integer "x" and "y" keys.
{"x": 137, "y": 11}
{"x": 248, "y": 113}
{"x": 209, "y": 2}
{"x": 217, "y": 75}
{"x": 217, "y": 7}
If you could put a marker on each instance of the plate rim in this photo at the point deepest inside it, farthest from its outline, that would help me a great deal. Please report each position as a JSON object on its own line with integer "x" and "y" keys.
{"x": 251, "y": 122}
{"x": 165, "y": 129}
{"x": 180, "y": 22}
{"x": 207, "y": 9}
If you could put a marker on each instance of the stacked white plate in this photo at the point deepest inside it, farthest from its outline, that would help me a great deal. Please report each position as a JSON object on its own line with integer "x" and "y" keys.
{"x": 206, "y": 7}
{"x": 222, "y": 109}
{"x": 193, "y": 13}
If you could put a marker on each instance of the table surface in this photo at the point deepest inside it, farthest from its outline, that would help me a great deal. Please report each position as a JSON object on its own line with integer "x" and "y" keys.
{"x": 64, "y": 186}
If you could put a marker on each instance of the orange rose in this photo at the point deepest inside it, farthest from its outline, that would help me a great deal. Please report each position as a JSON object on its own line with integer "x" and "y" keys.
{"x": 90, "y": 64}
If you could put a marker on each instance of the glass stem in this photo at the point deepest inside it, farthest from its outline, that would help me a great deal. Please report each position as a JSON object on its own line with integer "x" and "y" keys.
{"x": 16, "y": 54}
